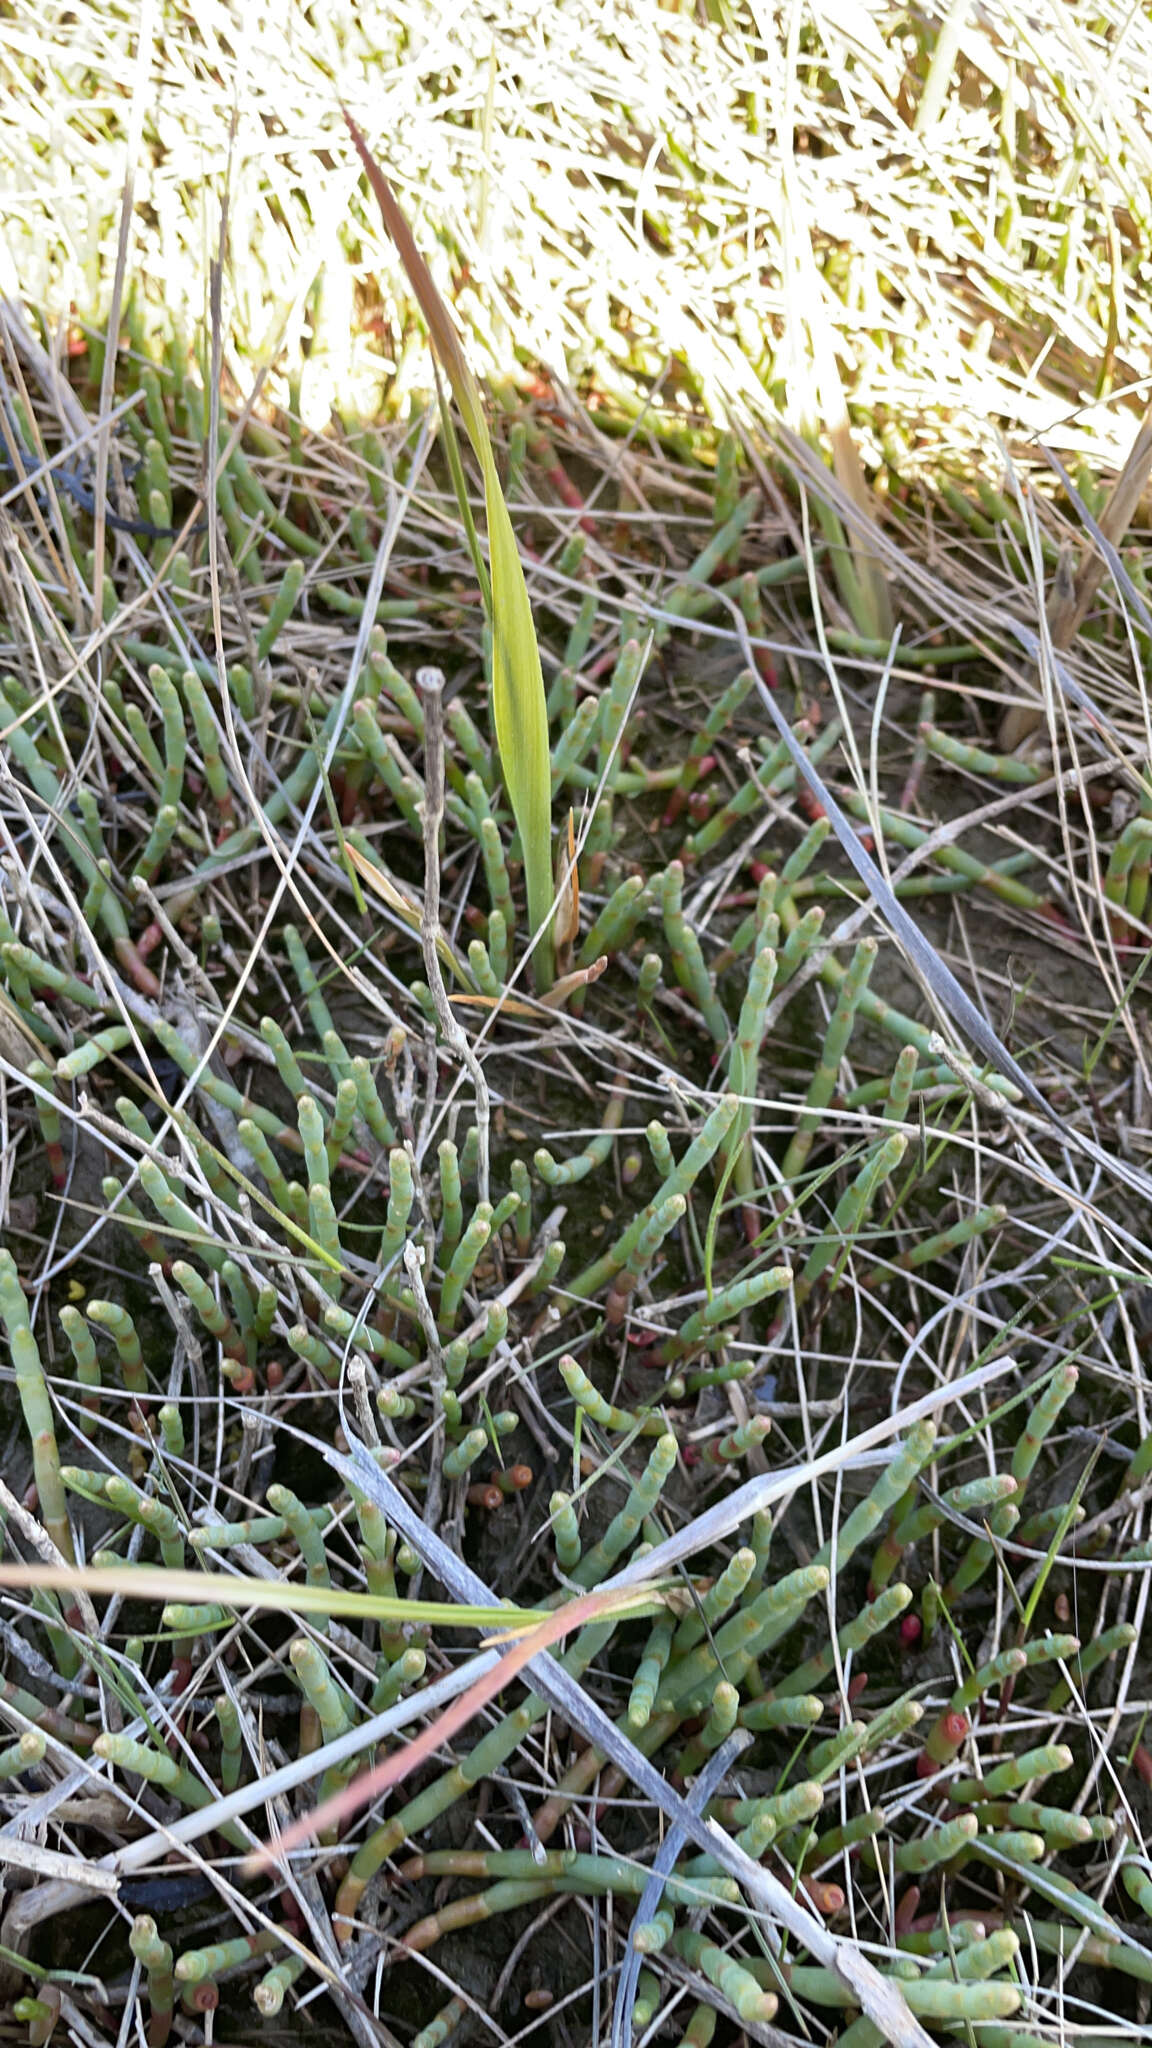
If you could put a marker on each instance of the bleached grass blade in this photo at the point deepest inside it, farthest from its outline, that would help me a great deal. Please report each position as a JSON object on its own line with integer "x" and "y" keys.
{"x": 710, "y": 1779}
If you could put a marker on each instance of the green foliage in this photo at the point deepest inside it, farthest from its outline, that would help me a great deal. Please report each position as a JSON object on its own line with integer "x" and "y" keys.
{"x": 730, "y": 1214}
{"x": 518, "y": 705}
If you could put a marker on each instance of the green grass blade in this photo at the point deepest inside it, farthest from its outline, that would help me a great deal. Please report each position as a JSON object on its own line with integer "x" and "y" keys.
{"x": 519, "y": 706}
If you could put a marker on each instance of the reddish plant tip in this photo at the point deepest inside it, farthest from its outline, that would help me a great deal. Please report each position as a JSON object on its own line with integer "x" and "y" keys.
{"x": 856, "y": 1687}
{"x": 1142, "y": 1763}
{"x": 911, "y": 1630}
{"x": 289, "y": 1910}
{"x": 943, "y": 1743}
{"x": 827, "y": 1899}
{"x": 484, "y": 1496}
{"x": 644, "y": 1339}
{"x": 980, "y": 1920}
{"x": 140, "y": 976}
{"x": 907, "y": 1907}
{"x": 1056, "y": 916}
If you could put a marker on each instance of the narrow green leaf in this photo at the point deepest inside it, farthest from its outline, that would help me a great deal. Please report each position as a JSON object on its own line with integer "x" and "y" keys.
{"x": 519, "y": 705}
{"x": 520, "y": 711}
